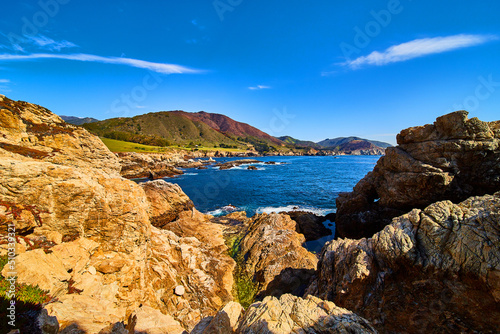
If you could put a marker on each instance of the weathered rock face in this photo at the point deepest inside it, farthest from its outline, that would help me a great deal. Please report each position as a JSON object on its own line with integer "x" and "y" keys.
{"x": 33, "y": 132}
{"x": 452, "y": 159}
{"x": 290, "y": 314}
{"x": 61, "y": 185}
{"x": 73, "y": 187}
{"x": 310, "y": 225}
{"x": 275, "y": 257}
{"x": 166, "y": 202}
{"x": 284, "y": 315}
{"x": 153, "y": 166}
{"x": 435, "y": 270}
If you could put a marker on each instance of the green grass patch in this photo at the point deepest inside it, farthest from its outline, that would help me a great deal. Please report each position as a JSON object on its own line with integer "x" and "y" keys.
{"x": 28, "y": 302}
{"x": 245, "y": 288}
{"x": 125, "y": 146}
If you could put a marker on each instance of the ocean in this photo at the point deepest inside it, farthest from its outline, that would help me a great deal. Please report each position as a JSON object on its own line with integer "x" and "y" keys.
{"x": 293, "y": 183}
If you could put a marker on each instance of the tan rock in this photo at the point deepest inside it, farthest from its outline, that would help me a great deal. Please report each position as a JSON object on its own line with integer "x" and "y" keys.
{"x": 274, "y": 255}
{"x": 166, "y": 202}
{"x": 37, "y": 268}
{"x": 290, "y": 314}
{"x": 226, "y": 321}
{"x": 152, "y": 321}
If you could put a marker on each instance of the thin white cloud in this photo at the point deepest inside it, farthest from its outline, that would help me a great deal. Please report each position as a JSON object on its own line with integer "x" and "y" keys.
{"x": 4, "y": 80}
{"x": 47, "y": 43}
{"x": 419, "y": 48}
{"x": 155, "y": 67}
{"x": 258, "y": 87}
{"x": 39, "y": 43}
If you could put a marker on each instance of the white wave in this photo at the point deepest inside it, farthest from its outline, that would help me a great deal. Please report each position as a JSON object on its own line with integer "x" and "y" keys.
{"x": 316, "y": 211}
{"x": 190, "y": 174}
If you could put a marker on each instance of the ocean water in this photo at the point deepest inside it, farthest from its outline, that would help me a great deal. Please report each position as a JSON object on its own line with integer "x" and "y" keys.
{"x": 304, "y": 183}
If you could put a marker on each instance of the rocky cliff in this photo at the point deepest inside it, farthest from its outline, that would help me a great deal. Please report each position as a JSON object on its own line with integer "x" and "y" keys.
{"x": 452, "y": 159}
{"x": 101, "y": 257}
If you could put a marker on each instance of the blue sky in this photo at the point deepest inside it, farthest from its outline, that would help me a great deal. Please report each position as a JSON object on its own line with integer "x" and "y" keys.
{"x": 312, "y": 70}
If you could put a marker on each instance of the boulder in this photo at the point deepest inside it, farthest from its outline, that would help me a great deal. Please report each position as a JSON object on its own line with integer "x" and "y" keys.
{"x": 452, "y": 159}
{"x": 166, "y": 202}
{"x": 152, "y": 321}
{"x": 272, "y": 249}
{"x": 291, "y": 314}
{"x": 432, "y": 270}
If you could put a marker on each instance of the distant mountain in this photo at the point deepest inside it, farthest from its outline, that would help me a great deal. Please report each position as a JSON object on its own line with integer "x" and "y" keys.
{"x": 337, "y": 142}
{"x": 182, "y": 128}
{"x": 229, "y": 126}
{"x": 78, "y": 120}
{"x": 300, "y": 143}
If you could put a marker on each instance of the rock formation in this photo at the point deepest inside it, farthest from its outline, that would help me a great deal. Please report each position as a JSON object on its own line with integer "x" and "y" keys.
{"x": 152, "y": 166}
{"x": 274, "y": 255}
{"x": 101, "y": 257}
{"x": 288, "y": 314}
{"x": 310, "y": 225}
{"x": 435, "y": 270}
{"x": 452, "y": 159}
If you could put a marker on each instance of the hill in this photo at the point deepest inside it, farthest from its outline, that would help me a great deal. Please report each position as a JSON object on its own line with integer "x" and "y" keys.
{"x": 78, "y": 120}
{"x": 333, "y": 143}
{"x": 299, "y": 143}
{"x": 186, "y": 129}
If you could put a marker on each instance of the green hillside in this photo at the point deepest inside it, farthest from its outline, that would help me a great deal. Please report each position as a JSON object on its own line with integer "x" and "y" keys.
{"x": 162, "y": 129}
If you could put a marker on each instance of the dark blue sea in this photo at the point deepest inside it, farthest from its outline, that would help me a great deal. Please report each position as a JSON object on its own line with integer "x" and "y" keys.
{"x": 307, "y": 183}
{"x": 294, "y": 183}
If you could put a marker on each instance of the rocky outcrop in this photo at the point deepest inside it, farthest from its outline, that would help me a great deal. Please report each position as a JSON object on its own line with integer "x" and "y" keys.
{"x": 166, "y": 202}
{"x": 284, "y": 315}
{"x": 435, "y": 270}
{"x": 152, "y": 166}
{"x": 274, "y": 255}
{"x": 310, "y": 225}
{"x": 235, "y": 163}
{"x": 290, "y": 314}
{"x": 452, "y": 159}
{"x": 85, "y": 234}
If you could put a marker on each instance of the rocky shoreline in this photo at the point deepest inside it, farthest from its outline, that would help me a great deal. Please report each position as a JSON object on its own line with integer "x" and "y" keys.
{"x": 114, "y": 256}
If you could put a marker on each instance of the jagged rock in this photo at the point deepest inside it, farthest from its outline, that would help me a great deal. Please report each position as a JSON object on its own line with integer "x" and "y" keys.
{"x": 271, "y": 248}
{"x": 452, "y": 159}
{"x": 435, "y": 270}
{"x": 290, "y": 314}
{"x": 166, "y": 202}
{"x": 152, "y": 321}
{"x": 224, "y": 322}
{"x": 153, "y": 166}
{"x": 310, "y": 225}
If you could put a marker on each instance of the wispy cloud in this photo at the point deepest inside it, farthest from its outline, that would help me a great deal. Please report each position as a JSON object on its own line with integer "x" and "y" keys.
{"x": 419, "y": 48}
{"x": 47, "y": 43}
{"x": 259, "y": 87}
{"x": 4, "y": 80}
{"x": 39, "y": 43}
{"x": 155, "y": 67}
